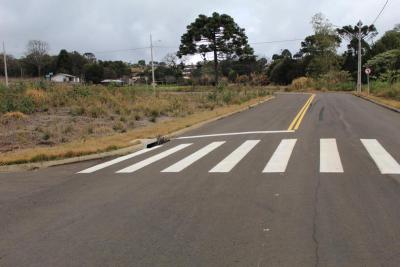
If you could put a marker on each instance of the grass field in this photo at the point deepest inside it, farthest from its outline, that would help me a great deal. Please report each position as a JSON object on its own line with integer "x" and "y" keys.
{"x": 42, "y": 121}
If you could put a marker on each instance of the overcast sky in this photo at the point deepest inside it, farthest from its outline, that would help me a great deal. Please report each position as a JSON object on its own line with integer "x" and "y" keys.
{"x": 100, "y": 25}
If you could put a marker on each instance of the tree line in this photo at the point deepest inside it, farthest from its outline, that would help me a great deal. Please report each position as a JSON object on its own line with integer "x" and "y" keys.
{"x": 37, "y": 63}
{"x": 228, "y": 57}
{"x": 234, "y": 59}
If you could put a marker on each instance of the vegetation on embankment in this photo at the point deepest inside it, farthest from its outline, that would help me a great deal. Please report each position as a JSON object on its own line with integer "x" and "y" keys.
{"x": 383, "y": 91}
{"x": 44, "y": 121}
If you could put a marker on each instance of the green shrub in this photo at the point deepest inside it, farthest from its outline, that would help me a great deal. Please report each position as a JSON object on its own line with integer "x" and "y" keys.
{"x": 96, "y": 111}
{"x": 212, "y": 96}
{"x": 46, "y": 136}
{"x": 119, "y": 127}
{"x": 26, "y": 105}
{"x": 227, "y": 96}
{"x": 386, "y": 89}
{"x": 77, "y": 111}
{"x": 79, "y": 91}
{"x": 154, "y": 113}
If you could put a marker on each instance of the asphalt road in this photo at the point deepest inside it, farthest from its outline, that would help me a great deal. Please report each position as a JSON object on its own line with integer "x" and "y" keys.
{"x": 325, "y": 195}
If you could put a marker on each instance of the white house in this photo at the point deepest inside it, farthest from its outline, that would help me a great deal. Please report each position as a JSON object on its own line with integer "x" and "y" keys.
{"x": 64, "y": 78}
{"x": 112, "y": 81}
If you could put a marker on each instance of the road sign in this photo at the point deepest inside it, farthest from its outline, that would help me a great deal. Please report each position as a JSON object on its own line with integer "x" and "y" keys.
{"x": 368, "y": 72}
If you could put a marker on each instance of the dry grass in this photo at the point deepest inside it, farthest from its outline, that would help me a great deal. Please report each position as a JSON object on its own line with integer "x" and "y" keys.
{"x": 387, "y": 101}
{"x": 301, "y": 83}
{"x": 107, "y": 143}
{"x": 62, "y": 113}
{"x": 12, "y": 116}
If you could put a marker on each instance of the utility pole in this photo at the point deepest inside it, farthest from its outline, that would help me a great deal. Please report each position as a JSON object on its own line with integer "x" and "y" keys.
{"x": 152, "y": 65}
{"x": 359, "y": 24}
{"x": 5, "y": 63}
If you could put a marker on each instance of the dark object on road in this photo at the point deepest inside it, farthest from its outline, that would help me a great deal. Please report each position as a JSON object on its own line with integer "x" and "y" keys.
{"x": 160, "y": 140}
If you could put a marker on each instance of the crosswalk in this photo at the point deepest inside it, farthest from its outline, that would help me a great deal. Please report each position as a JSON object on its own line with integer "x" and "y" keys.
{"x": 235, "y": 157}
{"x": 329, "y": 161}
{"x": 329, "y": 157}
{"x": 281, "y": 156}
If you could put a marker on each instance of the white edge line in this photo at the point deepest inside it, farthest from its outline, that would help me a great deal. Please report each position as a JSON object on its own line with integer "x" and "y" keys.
{"x": 238, "y": 133}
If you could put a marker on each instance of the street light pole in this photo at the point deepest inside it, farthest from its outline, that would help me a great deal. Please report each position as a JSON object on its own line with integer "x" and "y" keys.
{"x": 359, "y": 24}
{"x": 152, "y": 65}
{"x": 5, "y": 64}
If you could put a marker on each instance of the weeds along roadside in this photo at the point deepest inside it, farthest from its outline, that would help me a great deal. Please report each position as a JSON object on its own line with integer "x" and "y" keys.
{"x": 41, "y": 114}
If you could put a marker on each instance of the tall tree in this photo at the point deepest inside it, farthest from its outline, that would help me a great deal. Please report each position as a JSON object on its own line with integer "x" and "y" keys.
{"x": 351, "y": 34}
{"x": 389, "y": 41}
{"x": 321, "y": 47}
{"x": 385, "y": 63}
{"x": 171, "y": 61}
{"x": 93, "y": 72}
{"x": 285, "y": 68}
{"x": 77, "y": 63}
{"x": 218, "y": 34}
{"x": 36, "y": 53}
{"x": 64, "y": 63}
{"x": 90, "y": 57}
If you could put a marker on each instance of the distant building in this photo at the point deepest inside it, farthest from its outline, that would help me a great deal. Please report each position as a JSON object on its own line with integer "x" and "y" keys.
{"x": 64, "y": 78}
{"x": 112, "y": 81}
{"x": 187, "y": 71}
{"x": 138, "y": 75}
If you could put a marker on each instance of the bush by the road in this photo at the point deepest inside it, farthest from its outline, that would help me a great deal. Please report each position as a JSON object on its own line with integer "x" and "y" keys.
{"x": 386, "y": 89}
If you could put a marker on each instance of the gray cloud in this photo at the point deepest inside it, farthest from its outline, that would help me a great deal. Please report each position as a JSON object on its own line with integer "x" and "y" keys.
{"x": 100, "y": 25}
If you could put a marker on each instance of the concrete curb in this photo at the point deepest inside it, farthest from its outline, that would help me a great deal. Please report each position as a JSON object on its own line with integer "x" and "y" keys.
{"x": 119, "y": 152}
{"x": 46, "y": 164}
{"x": 378, "y": 103}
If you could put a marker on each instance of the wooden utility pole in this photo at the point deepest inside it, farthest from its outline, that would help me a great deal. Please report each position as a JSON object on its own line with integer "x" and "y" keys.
{"x": 5, "y": 63}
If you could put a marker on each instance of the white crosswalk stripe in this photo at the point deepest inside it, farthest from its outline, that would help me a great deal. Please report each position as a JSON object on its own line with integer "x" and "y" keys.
{"x": 189, "y": 160}
{"x": 385, "y": 162}
{"x": 329, "y": 161}
{"x": 329, "y": 157}
{"x": 281, "y": 156}
{"x": 153, "y": 159}
{"x": 117, "y": 160}
{"x": 235, "y": 157}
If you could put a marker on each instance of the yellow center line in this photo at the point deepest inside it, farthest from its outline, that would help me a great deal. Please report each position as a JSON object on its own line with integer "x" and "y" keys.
{"x": 304, "y": 113}
{"x": 300, "y": 115}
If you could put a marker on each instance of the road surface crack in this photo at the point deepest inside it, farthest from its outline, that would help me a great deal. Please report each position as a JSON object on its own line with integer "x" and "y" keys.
{"x": 315, "y": 217}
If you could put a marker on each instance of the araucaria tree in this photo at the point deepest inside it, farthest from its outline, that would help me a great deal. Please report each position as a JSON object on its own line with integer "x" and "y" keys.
{"x": 218, "y": 34}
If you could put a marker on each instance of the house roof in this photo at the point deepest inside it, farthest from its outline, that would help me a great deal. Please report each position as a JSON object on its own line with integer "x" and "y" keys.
{"x": 66, "y": 75}
{"x": 111, "y": 81}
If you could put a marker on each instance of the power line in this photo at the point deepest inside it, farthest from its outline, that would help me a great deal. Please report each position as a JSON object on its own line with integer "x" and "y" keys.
{"x": 120, "y": 50}
{"x": 254, "y": 43}
{"x": 380, "y": 13}
{"x": 175, "y": 47}
{"x": 158, "y": 46}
